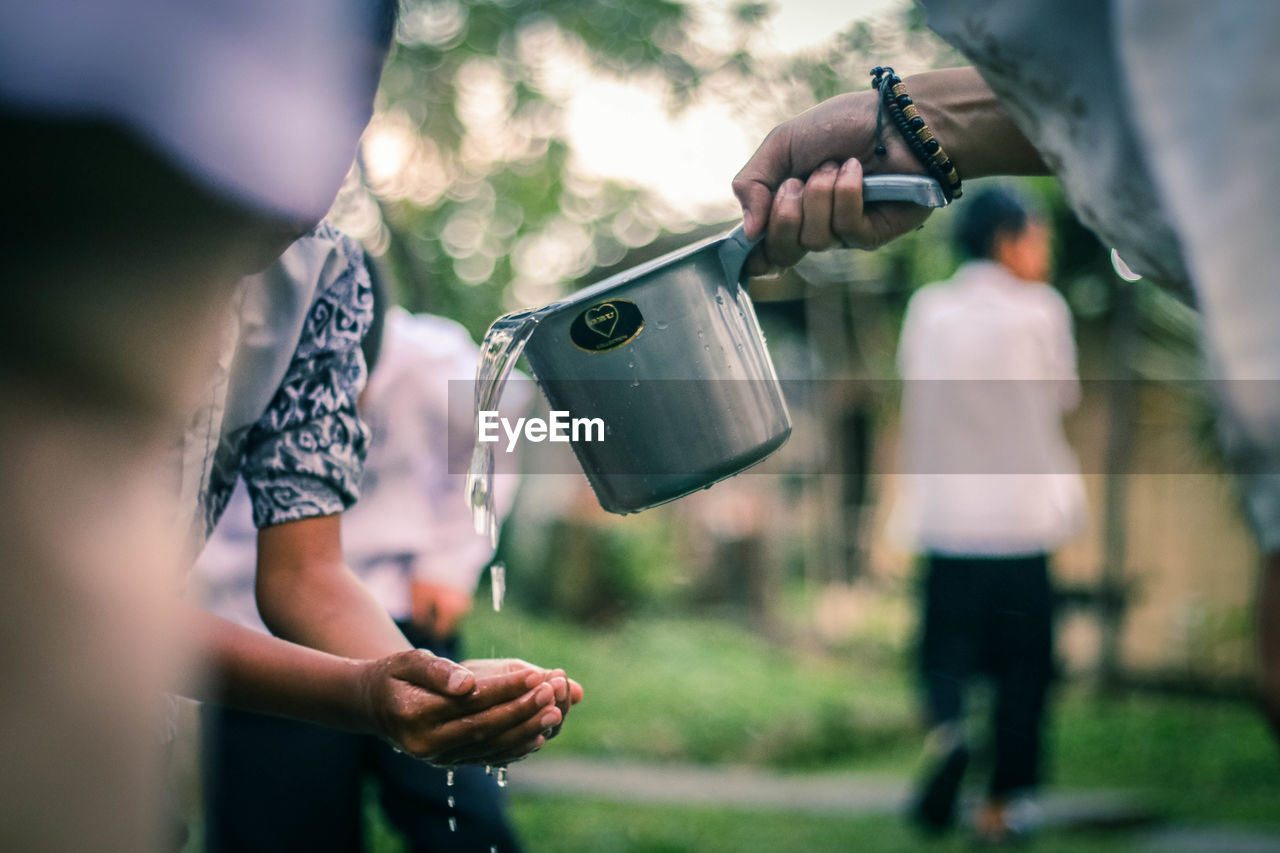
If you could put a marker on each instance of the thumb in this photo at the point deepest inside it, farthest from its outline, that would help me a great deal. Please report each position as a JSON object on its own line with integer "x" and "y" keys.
{"x": 439, "y": 675}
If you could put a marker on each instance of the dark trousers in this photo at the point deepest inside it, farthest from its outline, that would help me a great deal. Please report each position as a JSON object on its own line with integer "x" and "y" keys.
{"x": 992, "y": 616}
{"x": 275, "y": 785}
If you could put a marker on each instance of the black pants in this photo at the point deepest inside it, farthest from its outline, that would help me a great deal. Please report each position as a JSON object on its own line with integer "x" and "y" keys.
{"x": 275, "y": 785}
{"x": 993, "y": 616}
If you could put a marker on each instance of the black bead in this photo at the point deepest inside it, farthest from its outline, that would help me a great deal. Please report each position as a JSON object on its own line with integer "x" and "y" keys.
{"x": 945, "y": 166}
{"x": 932, "y": 146}
{"x": 904, "y": 100}
{"x": 916, "y": 123}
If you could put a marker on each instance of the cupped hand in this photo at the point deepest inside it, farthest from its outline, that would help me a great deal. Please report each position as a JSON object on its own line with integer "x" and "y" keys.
{"x": 567, "y": 691}
{"x": 446, "y": 714}
{"x": 802, "y": 189}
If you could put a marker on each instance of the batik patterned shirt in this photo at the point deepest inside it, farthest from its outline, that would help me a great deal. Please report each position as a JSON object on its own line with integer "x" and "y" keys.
{"x": 281, "y": 410}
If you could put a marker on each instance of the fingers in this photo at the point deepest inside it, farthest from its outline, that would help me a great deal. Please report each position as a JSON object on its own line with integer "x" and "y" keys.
{"x": 494, "y": 690}
{"x": 498, "y": 734}
{"x": 754, "y": 186}
{"x": 501, "y": 666}
{"x": 860, "y": 226}
{"x": 827, "y": 211}
{"x": 846, "y": 202}
{"x": 782, "y": 237}
{"x": 439, "y": 675}
{"x": 816, "y": 206}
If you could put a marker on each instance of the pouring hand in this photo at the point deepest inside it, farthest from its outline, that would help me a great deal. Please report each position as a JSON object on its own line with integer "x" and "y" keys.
{"x": 963, "y": 113}
{"x": 802, "y": 189}
{"x": 424, "y": 707}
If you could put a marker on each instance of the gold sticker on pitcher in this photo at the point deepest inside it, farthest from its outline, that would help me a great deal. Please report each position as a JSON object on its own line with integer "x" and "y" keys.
{"x": 606, "y": 325}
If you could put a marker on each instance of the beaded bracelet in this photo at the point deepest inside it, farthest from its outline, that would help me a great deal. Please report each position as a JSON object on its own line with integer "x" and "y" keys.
{"x": 924, "y": 146}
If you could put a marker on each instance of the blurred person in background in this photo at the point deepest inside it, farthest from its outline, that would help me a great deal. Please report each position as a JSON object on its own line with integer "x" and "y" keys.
{"x": 988, "y": 488}
{"x": 1167, "y": 160}
{"x": 273, "y": 784}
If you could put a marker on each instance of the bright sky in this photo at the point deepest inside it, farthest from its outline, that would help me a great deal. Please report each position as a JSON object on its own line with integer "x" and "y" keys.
{"x": 621, "y": 130}
{"x": 799, "y": 24}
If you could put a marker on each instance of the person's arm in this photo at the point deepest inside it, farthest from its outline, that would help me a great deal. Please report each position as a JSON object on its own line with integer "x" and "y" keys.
{"x": 301, "y": 467}
{"x": 802, "y": 189}
{"x": 306, "y": 593}
{"x": 427, "y": 706}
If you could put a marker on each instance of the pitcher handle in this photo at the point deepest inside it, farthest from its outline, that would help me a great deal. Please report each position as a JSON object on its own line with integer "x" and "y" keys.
{"x": 916, "y": 189}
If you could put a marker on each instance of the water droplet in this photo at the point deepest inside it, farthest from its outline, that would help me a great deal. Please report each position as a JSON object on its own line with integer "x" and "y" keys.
{"x": 662, "y": 324}
{"x": 502, "y": 777}
{"x": 720, "y": 298}
{"x": 488, "y": 770}
{"x": 451, "y": 801}
{"x": 707, "y": 347}
{"x": 498, "y": 584}
{"x": 453, "y": 823}
{"x": 448, "y": 778}
{"x": 635, "y": 383}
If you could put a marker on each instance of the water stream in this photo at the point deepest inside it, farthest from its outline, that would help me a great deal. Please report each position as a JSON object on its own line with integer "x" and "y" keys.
{"x": 499, "y": 352}
{"x": 498, "y": 584}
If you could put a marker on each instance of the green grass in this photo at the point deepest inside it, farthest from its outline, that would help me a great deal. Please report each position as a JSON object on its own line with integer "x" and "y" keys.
{"x": 1193, "y": 760}
{"x": 664, "y": 688}
{"x": 708, "y": 691}
{"x": 572, "y": 825}
{"x": 711, "y": 691}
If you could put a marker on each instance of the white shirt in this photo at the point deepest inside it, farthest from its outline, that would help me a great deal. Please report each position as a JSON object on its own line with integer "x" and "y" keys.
{"x": 989, "y": 367}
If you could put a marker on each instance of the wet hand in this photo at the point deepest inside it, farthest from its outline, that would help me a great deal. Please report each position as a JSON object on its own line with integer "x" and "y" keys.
{"x": 567, "y": 691}
{"x": 802, "y": 189}
{"x": 446, "y": 714}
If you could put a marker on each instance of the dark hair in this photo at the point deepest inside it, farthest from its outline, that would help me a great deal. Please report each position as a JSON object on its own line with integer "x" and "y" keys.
{"x": 985, "y": 216}
{"x": 371, "y": 346}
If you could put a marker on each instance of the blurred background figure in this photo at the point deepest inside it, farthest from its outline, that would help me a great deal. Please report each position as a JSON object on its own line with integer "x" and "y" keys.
{"x": 274, "y": 784}
{"x": 989, "y": 487}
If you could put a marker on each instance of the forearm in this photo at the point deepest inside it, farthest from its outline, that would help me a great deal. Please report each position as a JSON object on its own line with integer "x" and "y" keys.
{"x": 972, "y": 126}
{"x": 307, "y": 595}
{"x": 328, "y": 608}
{"x": 257, "y": 672}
